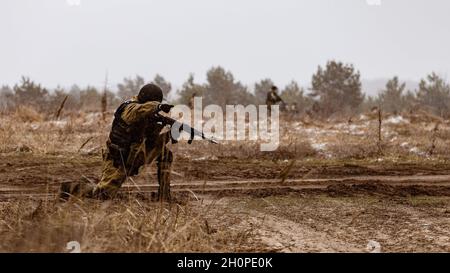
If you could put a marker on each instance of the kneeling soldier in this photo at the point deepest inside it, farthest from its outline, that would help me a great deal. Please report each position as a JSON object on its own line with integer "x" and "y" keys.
{"x": 135, "y": 140}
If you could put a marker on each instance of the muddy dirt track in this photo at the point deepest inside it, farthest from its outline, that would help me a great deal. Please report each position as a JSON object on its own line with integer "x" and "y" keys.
{"x": 308, "y": 207}
{"x": 27, "y": 175}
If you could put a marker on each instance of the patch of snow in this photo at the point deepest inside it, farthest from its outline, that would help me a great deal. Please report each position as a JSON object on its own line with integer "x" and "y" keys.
{"x": 396, "y": 120}
{"x": 59, "y": 123}
{"x": 206, "y": 158}
{"x": 352, "y": 127}
{"x": 310, "y": 130}
{"x": 91, "y": 118}
{"x": 416, "y": 151}
{"x": 358, "y": 133}
{"x": 34, "y": 126}
{"x": 319, "y": 146}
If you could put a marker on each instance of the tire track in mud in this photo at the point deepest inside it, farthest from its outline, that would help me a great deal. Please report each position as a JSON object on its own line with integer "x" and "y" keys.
{"x": 428, "y": 185}
{"x": 402, "y": 227}
{"x": 280, "y": 234}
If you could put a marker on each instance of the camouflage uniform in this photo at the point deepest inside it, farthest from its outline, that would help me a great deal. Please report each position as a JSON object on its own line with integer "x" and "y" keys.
{"x": 135, "y": 140}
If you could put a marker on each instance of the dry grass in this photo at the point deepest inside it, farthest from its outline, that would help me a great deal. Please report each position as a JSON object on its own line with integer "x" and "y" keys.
{"x": 412, "y": 135}
{"x": 51, "y": 136}
{"x": 113, "y": 226}
{"x": 134, "y": 225}
{"x": 27, "y": 114}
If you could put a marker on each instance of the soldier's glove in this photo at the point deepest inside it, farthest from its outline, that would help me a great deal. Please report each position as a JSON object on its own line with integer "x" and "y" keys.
{"x": 165, "y": 107}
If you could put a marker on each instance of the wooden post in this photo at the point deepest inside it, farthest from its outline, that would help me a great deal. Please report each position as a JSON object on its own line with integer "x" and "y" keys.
{"x": 61, "y": 106}
{"x": 380, "y": 121}
{"x": 433, "y": 139}
{"x": 105, "y": 98}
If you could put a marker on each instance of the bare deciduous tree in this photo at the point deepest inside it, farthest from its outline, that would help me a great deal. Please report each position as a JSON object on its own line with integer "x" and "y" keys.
{"x": 130, "y": 87}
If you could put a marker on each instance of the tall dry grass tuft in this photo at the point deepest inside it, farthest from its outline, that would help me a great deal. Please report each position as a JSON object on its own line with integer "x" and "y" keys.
{"x": 27, "y": 114}
{"x": 112, "y": 226}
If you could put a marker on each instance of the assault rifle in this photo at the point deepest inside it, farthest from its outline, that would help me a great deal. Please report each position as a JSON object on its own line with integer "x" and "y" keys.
{"x": 179, "y": 126}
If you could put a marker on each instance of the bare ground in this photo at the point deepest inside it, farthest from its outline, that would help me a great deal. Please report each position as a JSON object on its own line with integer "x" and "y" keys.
{"x": 275, "y": 206}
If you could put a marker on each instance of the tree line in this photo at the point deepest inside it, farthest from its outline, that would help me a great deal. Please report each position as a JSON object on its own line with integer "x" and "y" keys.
{"x": 335, "y": 90}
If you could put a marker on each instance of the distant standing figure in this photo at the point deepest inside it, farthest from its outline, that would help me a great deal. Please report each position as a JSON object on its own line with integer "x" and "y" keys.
{"x": 272, "y": 98}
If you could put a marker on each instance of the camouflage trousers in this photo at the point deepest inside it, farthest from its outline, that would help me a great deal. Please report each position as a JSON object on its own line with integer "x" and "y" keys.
{"x": 114, "y": 174}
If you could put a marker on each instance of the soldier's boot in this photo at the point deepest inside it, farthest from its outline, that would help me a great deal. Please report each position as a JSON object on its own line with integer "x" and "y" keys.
{"x": 76, "y": 188}
{"x": 104, "y": 193}
{"x": 164, "y": 168}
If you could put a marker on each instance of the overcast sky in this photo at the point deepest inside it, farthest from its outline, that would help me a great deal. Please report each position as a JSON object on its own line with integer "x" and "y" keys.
{"x": 76, "y": 41}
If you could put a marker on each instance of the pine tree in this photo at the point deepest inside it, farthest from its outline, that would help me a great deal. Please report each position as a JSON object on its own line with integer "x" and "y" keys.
{"x": 337, "y": 88}
{"x": 391, "y": 98}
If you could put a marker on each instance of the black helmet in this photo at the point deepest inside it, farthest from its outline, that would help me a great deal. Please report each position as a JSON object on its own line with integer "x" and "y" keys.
{"x": 274, "y": 88}
{"x": 150, "y": 92}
